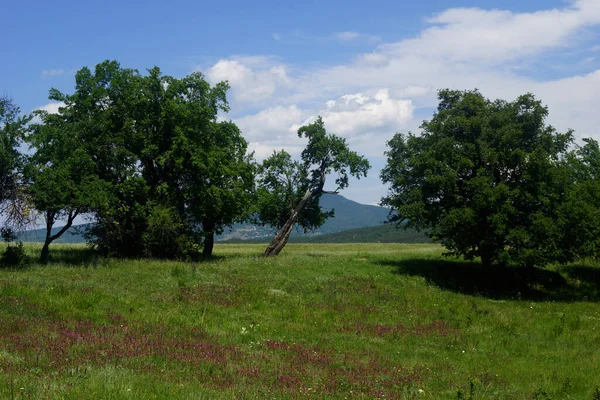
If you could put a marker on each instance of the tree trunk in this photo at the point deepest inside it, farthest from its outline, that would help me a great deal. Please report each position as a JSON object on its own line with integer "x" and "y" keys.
{"x": 45, "y": 255}
{"x": 45, "y": 251}
{"x": 281, "y": 239}
{"x": 487, "y": 256}
{"x": 209, "y": 238}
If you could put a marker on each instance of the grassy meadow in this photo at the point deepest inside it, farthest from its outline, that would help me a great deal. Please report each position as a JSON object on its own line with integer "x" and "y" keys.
{"x": 319, "y": 321}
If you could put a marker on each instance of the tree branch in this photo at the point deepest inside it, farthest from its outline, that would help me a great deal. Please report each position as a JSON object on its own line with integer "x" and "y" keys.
{"x": 70, "y": 218}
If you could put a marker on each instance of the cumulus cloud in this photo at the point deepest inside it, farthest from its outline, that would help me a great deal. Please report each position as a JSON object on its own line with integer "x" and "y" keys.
{"x": 51, "y": 108}
{"x": 475, "y": 34}
{"x": 250, "y": 85}
{"x": 272, "y": 123}
{"x": 365, "y": 120}
{"x": 393, "y": 86}
{"x": 354, "y": 115}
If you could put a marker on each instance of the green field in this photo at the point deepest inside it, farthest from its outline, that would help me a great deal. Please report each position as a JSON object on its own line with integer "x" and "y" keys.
{"x": 319, "y": 321}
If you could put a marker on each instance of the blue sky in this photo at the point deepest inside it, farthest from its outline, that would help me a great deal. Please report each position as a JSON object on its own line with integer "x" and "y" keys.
{"x": 370, "y": 68}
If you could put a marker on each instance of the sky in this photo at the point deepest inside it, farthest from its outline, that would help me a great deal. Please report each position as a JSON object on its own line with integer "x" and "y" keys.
{"x": 369, "y": 68}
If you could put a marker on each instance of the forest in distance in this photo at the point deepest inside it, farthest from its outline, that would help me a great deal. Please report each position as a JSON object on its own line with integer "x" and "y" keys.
{"x": 145, "y": 155}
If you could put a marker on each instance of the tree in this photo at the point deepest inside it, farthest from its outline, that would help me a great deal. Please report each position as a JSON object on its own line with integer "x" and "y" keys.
{"x": 12, "y": 127}
{"x": 289, "y": 191}
{"x": 485, "y": 178}
{"x": 61, "y": 175}
{"x": 99, "y": 118}
{"x": 220, "y": 181}
{"x": 579, "y": 215}
{"x": 189, "y": 159}
{"x": 175, "y": 173}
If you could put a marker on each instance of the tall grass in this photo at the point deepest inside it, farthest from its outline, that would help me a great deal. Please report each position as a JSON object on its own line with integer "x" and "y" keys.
{"x": 322, "y": 321}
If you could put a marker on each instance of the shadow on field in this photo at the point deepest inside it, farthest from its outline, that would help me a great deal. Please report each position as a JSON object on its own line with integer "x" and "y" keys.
{"x": 575, "y": 283}
{"x": 87, "y": 257}
{"x": 72, "y": 256}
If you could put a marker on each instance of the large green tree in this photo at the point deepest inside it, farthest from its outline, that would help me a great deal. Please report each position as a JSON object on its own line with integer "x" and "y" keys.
{"x": 289, "y": 191}
{"x": 175, "y": 173}
{"x": 189, "y": 159}
{"x": 485, "y": 178}
{"x": 95, "y": 127}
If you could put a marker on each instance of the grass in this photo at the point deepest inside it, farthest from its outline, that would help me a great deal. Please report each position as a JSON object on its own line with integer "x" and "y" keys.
{"x": 320, "y": 321}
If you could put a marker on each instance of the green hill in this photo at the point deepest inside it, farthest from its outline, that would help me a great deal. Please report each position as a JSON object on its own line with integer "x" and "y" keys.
{"x": 372, "y": 234}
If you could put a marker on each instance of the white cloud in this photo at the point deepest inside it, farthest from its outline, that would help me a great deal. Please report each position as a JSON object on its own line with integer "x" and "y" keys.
{"x": 51, "y": 108}
{"x": 473, "y": 34}
{"x": 373, "y": 59}
{"x": 272, "y": 124}
{"x": 250, "y": 85}
{"x": 366, "y": 121}
{"x": 502, "y": 53}
{"x": 48, "y": 73}
{"x": 347, "y": 36}
{"x": 354, "y": 115}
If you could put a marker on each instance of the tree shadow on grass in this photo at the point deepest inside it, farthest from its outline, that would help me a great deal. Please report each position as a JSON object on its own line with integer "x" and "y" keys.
{"x": 73, "y": 256}
{"x": 575, "y": 283}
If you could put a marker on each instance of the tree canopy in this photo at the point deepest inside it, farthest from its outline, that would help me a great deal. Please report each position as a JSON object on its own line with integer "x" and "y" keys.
{"x": 171, "y": 172}
{"x": 484, "y": 178}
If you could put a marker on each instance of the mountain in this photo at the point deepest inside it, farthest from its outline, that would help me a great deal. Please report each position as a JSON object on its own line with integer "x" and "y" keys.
{"x": 348, "y": 215}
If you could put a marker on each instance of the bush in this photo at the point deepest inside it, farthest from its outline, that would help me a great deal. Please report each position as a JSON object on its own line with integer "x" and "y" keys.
{"x": 14, "y": 254}
{"x": 166, "y": 235}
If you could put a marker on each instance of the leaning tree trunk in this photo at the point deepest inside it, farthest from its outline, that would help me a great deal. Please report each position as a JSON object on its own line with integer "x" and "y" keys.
{"x": 282, "y": 237}
{"x": 45, "y": 255}
{"x": 209, "y": 238}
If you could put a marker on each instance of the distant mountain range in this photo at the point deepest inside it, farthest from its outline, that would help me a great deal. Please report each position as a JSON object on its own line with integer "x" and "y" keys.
{"x": 348, "y": 215}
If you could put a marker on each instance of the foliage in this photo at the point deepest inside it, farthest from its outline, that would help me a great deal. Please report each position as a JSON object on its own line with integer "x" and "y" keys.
{"x": 62, "y": 180}
{"x": 120, "y": 224}
{"x": 154, "y": 141}
{"x": 281, "y": 184}
{"x": 579, "y": 215}
{"x": 163, "y": 238}
{"x": 14, "y": 254}
{"x": 289, "y": 191}
{"x": 485, "y": 178}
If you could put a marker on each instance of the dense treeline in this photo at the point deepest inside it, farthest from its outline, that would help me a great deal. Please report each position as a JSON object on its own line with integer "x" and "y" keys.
{"x": 147, "y": 158}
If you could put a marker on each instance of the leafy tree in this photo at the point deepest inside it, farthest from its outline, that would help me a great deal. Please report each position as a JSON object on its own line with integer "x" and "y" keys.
{"x": 175, "y": 173}
{"x": 62, "y": 179}
{"x": 99, "y": 117}
{"x": 12, "y": 127}
{"x": 190, "y": 160}
{"x": 579, "y": 215}
{"x": 289, "y": 191}
{"x": 485, "y": 178}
